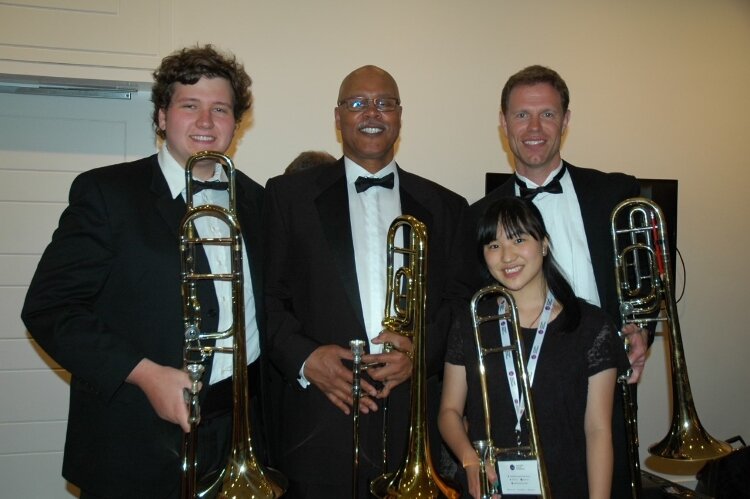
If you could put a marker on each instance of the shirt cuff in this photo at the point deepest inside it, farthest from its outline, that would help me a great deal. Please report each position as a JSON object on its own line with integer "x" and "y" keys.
{"x": 303, "y": 382}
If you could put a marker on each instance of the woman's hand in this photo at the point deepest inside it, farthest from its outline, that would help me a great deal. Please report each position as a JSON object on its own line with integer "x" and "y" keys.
{"x": 473, "y": 479}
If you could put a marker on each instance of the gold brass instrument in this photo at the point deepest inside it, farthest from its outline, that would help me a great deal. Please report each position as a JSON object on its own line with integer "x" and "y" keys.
{"x": 644, "y": 283}
{"x": 405, "y": 309}
{"x": 486, "y": 449}
{"x": 243, "y": 477}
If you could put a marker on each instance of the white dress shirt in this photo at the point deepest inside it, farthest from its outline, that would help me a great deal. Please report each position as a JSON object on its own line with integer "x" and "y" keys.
{"x": 371, "y": 213}
{"x": 562, "y": 216}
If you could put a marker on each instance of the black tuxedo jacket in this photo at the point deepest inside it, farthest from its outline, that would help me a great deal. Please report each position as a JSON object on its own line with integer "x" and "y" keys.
{"x": 598, "y": 193}
{"x": 105, "y": 295}
{"x": 312, "y": 299}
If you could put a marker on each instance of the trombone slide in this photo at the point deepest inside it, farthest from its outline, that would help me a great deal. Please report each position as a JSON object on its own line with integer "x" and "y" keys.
{"x": 243, "y": 477}
{"x": 404, "y": 313}
{"x": 487, "y": 448}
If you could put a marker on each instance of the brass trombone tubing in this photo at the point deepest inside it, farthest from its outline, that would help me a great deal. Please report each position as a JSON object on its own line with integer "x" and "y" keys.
{"x": 486, "y": 448}
{"x": 243, "y": 477}
{"x": 404, "y": 313}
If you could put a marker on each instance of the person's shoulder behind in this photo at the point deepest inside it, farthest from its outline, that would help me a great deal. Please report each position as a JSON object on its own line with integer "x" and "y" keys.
{"x": 124, "y": 169}
{"x": 610, "y": 180}
{"x": 248, "y": 184}
{"x": 591, "y": 310}
{"x": 118, "y": 177}
{"x": 306, "y": 179}
{"x": 598, "y": 327}
{"x": 594, "y": 318}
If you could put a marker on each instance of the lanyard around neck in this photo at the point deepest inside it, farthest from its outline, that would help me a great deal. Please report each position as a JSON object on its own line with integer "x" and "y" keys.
{"x": 536, "y": 349}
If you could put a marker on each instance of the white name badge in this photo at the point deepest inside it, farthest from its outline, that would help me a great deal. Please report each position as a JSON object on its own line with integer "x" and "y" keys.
{"x": 519, "y": 477}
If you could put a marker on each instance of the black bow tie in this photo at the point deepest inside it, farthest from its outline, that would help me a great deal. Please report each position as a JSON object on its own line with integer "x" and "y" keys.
{"x": 552, "y": 187}
{"x": 199, "y": 186}
{"x": 364, "y": 183}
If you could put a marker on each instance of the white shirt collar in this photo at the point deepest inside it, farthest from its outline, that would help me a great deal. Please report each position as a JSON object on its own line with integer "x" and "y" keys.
{"x": 354, "y": 171}
{"x": 532, "y": 184}
{"x": 174, "y": 173}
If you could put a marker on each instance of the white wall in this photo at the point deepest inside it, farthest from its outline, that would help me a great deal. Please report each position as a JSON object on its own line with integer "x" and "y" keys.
{"x": 658, "y": 89}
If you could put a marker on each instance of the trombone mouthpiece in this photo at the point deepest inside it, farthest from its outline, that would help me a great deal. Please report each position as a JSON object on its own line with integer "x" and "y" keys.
{"x": 358, "y": 348}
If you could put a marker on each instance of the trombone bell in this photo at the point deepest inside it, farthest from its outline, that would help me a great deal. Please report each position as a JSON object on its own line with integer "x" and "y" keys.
{"x": 688, "y": 441}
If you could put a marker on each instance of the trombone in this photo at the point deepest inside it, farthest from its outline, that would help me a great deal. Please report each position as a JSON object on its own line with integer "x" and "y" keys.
{"x": 405, "y": 310}
{"x": 644, "y": 284}
{"x": 243, "y": 477}
{"x": 486, "y": 449}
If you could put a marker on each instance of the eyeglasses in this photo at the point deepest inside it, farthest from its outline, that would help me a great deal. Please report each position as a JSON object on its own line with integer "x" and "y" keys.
{"x": 382, "y": 104}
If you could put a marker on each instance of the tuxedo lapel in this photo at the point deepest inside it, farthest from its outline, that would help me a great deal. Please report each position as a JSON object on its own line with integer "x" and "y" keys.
{"x": 508, "y": 188}
{"x": 249, "y": 216}
{"x": 333, "y": 211}
{"x": 586, "y": 195}
{"x": 594, "y": 216}
{"x": 412, "y": 202}
{"x": 418, "y": 200}
{"x": 170, "y": 209}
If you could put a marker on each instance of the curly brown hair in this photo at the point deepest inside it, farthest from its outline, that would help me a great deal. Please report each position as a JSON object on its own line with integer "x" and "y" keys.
{"x": 187, "y": 66}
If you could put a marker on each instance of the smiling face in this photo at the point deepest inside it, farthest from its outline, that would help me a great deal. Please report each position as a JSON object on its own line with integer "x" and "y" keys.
{"x": 199, "y": 118}
{"x": 534, "y": 123}
{"x": 369, "y": 136}
{"x": 515, "y": 261}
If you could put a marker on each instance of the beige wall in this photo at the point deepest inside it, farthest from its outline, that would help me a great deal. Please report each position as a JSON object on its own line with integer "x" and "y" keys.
{"x": 659, "y": 89}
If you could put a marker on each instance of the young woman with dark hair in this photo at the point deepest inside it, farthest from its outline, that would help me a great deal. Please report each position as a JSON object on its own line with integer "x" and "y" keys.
{"x": 577, "y": 357}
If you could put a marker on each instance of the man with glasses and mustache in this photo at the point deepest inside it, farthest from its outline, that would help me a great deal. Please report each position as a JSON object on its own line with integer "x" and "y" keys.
{"x": 325, "y": 286}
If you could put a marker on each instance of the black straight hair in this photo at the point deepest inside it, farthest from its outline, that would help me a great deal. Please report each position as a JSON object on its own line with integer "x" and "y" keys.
{"x": 518, "y": 217}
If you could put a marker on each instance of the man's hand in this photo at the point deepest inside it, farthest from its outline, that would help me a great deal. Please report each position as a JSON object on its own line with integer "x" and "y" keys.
{"x": 324, "y": 369}
{"x": 636, "y": 340}
{"x": 164, "y": 387}
{"x": 396, "y": 365}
